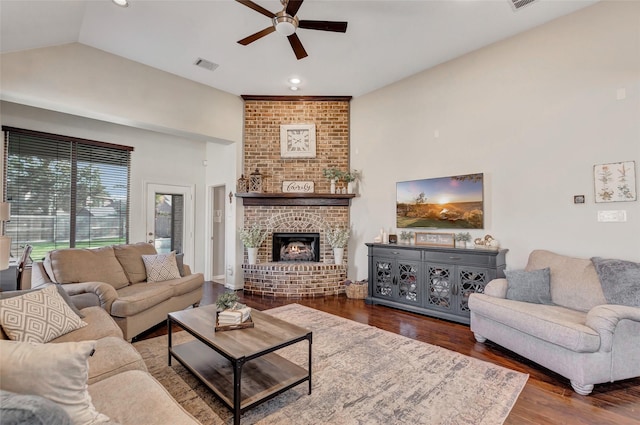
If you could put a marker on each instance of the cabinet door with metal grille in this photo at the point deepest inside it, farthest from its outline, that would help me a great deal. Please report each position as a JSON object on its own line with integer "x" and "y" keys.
{"x": 408, "y": 281}
{"x": 470, "y": 280}
{"x": 441, "y": 286}
{"x": 383, "y": 283}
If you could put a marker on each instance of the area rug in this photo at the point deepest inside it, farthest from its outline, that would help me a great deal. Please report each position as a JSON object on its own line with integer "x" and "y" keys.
{"x": 361, "y": 375}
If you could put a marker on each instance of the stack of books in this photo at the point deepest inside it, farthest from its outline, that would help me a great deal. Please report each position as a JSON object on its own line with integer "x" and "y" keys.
{"x": 234, "y": 316}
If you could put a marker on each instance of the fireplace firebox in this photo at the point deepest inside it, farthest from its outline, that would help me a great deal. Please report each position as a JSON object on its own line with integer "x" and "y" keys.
{"x": 290, "y": 247}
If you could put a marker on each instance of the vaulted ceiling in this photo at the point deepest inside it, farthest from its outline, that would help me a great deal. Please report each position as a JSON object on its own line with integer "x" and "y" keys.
{"x": 385, "y": 40}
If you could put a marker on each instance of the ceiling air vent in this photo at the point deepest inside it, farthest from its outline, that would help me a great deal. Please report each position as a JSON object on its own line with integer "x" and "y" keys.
{"x": 519, "y": 4}
{"x": 203, "y": 63}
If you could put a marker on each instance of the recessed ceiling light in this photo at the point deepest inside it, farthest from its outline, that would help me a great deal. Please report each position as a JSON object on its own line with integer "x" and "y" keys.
{"x": 294, "y": 80}
{"x": 121, "y": 3}
{"x": 293, "y": 88}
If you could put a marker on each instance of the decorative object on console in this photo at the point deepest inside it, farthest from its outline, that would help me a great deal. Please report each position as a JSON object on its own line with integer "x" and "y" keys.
{"x": 463, "y": 240}
{"x": 255, "y": 182}
{"x": 332, "y": 174}
{"x": 393, "y": 239}
{"x": 406, "y": 237}
{"x": 337, "y": 238}
{"x": 298, "y": 141}
{"x": 435, "y": 239}
{"x": 241, "y": 187}
{"x": 443, "y": 202}
{"x": 615, "y": 182}
{"x": 488, "y": 242}
{"x": 5, "y": 241}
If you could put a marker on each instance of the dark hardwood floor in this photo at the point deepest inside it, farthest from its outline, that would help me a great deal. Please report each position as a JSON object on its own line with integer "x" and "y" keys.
{"x": 546, "y": 399}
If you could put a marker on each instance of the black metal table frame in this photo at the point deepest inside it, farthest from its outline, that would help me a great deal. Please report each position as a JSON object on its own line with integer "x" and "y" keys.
{"x": 237, "y": 369}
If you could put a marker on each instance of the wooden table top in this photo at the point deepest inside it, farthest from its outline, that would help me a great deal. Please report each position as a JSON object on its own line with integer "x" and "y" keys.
{"x": 267, "y": 333}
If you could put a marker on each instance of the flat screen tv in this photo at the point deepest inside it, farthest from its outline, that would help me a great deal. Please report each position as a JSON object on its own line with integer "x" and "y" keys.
{"x": 454, "y": 202}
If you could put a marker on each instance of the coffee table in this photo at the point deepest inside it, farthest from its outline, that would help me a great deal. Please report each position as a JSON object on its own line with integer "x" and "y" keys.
{"x": 239, "y": 366}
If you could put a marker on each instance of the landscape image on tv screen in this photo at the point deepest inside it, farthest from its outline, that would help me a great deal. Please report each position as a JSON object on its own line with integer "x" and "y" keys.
{"x": 454, "y": 202}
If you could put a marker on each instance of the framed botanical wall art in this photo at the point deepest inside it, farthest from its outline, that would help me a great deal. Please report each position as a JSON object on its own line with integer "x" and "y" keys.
{"x": 615, "y": 182}
{"x": 298, "y": 141}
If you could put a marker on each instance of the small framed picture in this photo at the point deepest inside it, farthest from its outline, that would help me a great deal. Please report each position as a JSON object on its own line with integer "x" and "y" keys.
{"x": 435, "y": 239}
{"x": 298, "y": 141}
{"x": 578, "y": 199}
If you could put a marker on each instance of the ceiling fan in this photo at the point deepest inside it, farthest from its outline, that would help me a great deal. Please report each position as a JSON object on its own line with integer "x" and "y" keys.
{"x": 286, "y": 23}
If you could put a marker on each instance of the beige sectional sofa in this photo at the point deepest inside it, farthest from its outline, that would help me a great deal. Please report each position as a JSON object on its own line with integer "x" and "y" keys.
{"x": 118, "y": 382}
{"x": 578, "y": 334}
{"x": 115, "y": 278}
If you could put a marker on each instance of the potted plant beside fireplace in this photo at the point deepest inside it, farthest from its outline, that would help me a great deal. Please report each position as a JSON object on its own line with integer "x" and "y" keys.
{"x": 337, "y": 237}
{"x": 252, "y": 238}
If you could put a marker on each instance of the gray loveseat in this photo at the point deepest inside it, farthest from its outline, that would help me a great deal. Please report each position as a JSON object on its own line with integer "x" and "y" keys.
{"x": 115, "y": 278}
{"x": 578, "y": 335}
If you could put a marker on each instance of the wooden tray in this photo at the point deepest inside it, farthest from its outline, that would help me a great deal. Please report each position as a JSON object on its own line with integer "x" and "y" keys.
{"x": 246, "y": 324}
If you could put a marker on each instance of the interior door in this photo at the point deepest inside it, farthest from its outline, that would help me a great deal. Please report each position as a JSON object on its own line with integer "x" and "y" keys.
{"x": 170, "y": 219}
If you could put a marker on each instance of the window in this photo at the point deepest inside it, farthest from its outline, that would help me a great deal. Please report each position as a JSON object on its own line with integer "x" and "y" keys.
{"x": 65, "y": 192}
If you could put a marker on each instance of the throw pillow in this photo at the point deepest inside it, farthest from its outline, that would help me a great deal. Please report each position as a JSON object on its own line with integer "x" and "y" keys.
{"x": 529, "y": 286}
{"x": 38, "y": 316}
{"x": 180, "y": 261}
{"x": 58, "y": 372}
{"x": 161, "y": 267}
{"x": 21, "y": 409}
{"x": 61, "y": 291}
{"x": 620, "y": 280}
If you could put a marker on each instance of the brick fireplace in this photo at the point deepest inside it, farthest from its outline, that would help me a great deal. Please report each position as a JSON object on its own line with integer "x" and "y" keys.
{"x": 263, "y": 117}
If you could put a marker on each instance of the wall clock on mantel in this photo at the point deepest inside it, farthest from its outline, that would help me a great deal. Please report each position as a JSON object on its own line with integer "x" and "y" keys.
{"x": 298, "y": 141}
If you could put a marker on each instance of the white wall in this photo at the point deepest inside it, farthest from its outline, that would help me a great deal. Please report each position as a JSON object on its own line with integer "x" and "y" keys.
{"x": 173, "y": 123}
{"x": 84, "y": 81}
{"x": 534, "y": 114}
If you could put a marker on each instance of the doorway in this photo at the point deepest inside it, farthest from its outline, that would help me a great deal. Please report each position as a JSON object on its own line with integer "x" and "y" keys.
{"x": 170, "y": 219}
{"x": 218, "y": 256}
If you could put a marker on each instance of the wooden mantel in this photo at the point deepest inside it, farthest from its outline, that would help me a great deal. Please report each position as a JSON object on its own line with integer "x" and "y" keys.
{"x": 296, "y": 199}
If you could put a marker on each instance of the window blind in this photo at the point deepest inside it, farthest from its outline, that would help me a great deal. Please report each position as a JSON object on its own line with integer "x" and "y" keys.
{"x": 65, "y": 191}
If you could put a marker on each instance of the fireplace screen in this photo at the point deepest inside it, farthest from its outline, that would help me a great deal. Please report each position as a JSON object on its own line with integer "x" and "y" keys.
{"x": 296, "y": 247}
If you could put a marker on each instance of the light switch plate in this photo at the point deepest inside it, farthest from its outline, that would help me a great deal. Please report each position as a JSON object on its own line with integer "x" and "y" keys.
{"x": 612, "y": 216}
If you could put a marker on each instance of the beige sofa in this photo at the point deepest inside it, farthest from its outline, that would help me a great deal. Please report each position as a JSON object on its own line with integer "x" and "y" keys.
{"x": 114, "y": 277}
{"x": 119, "y": 384}
{"x": 579, "y": 335}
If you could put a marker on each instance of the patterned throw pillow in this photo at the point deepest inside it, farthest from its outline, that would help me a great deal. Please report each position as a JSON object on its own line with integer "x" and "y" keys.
{"x": 38, "y": 316}
{"x": 161, "y": 267}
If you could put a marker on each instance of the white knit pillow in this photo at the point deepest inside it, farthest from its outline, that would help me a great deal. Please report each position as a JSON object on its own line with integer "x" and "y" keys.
{"x": 161, "y": 267}
{"x": 58, "y": 372}
{"x": 38, "y": 316}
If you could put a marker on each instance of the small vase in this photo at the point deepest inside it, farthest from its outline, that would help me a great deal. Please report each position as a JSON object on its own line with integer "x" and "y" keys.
{"x": 252, "y": 253}
{"x": 349, "y": 187}
{"x": 338, "y": 255}
{"x": 333, "y": 186}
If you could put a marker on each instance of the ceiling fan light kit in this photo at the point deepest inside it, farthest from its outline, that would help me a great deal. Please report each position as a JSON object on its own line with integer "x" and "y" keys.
{"x": 286, "y": 23}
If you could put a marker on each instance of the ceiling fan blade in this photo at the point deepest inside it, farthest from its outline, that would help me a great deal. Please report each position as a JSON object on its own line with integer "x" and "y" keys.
{"x": 323, "y": 26}
{"x": 293, "y": 6}
{"x": 259, "y": 9}
{"x": 296, "y": 45}
{"x": 256, "y": 36}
